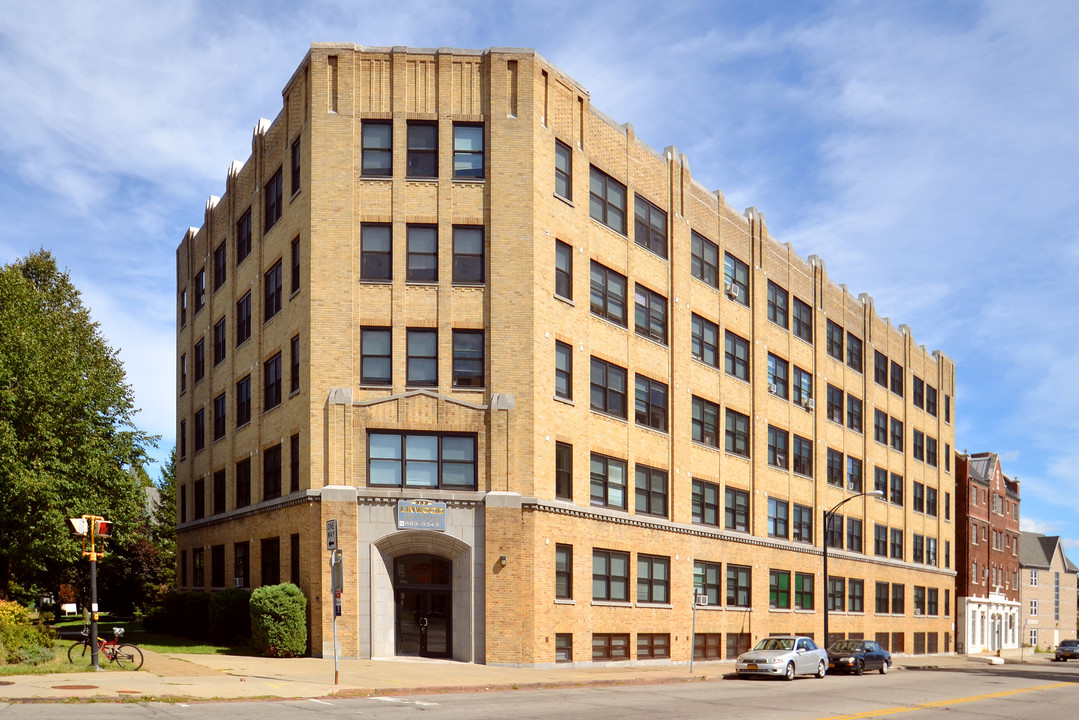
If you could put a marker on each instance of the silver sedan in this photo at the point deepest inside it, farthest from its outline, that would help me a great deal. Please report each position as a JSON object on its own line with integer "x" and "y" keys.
{"x": 784, "y": 656}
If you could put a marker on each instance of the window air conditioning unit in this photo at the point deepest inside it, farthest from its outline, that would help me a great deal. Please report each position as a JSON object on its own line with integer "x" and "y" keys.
{"x": 702, "y": 600}
{"x": 732, "y": 290}
{"x": 238, "y": 582}
{"x": 773, "y": 388}
{"x": 809, "y": 404}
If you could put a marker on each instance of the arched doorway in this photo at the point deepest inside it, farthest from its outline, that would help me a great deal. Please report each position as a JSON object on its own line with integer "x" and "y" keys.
{"x": 423, "y": 604}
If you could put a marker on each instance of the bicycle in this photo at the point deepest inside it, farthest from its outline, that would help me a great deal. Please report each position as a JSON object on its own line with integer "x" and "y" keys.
{"x": 126, "y": 655}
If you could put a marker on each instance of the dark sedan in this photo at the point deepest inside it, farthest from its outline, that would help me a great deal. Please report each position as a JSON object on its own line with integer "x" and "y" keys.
{"x": 857, "y": 656}
{"x": 1067, "y": 650}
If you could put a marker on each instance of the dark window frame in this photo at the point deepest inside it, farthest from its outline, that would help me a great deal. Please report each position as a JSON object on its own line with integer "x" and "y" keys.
{"x": 608, "y": 200}
{"x": 377, "y": 149}
{"x": 649, "y": 226}
{"x": 421, "y": 365}
{"x": 421, "y": 157}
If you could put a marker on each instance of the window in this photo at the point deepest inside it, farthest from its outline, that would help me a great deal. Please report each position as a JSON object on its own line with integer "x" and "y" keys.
{"x": 736, "y": 509}
{"x": 563, "y": 170}
{"x": 777, "y": 447}
{"x": 737, "y": 433}
{"x": 896, "y": 544}
{"x": 219, "y": 492}
{"x": 705, "y": 340}
{"x": 243, "y": 236}
{"x": 651, "y": 403}
{"x": 607, "y": 200}
{"x": 947, "y": 408}
{"x": 563, "y": 471}
{"x": 803, "y": 456}
{"x": 219, "y": 416}
{"x": 610, "y": 646}
{"x": 272, "y": 292}
{"x": 897, "y": 378}
{"x": 200, "y": 499}
{"x": 271, "y": 387}
{"x": 854, "y": 413}
{"x": 200, "y": 290}
{"x": 854, "y": 535}
{"x": 200, "y": 430}
{"x": 919, "y": 445}
{"x": 834, "y": 468}
{"x": 897, "y": 490}
{"x": 739, "y": 586}
{"x": 294, "y": 365}
{"x": 608, "y": 388}
{"x": 608, "y": 294}
{"x": 651, "y": 490}
{"x": 294, "y": 463}
{"x": 563, "y": 270}
{"x": 855, "y": 596}
{"x": 650, "y": 314}
{"x": 653, "y": 579}
{"x": 882, "y": 598}
{"x": 834, "y": 341}
{"x": 376, "y": 366}
{"x": 833, "y": 531}
{"x": 802, "y": 316}
{"x": 421, "y": 363}
{"x": 377, "y": 148}
{"x": 422, "y": 253}
{"x": 243, "y": 401}
{"x": 296, "y": 166}
{"x": 468, "y": 151}
{"x": 183, "y": 307}
{"x": 777, "y": 517}
{"x": 183, "y": 373}
{"x": 918, "y": 495}
{"x": 243, "y": 483}
{"x": 219, "y": 266}
{"x": 423, "y": 460}
{"x": 1034, "y": 578}
{"x": 219, "y": 341}
{"x": 897, "y": 435}
{"x": 779, "y": 589}
{"x": 650, "y": 226}
{"x": 271, "y": 561}
{"x": 241, "y": 554}
{"x": 376, "y": 252}
{"x": 705, "y": 502}
{"x": 803, "y": 591}
{"x": 802, "y": 391}
{"x": 880, "y": 426}
{"x": 243, "y": 319}
{"x": 836, "y": 586}
{"x": 918, "y": 392}
{"x": 931, "y": 400}
{"x": 898, "y": 602}
{"x": 880, "y": 540}
{"x": 610, "y": 575}
{"x": 294, "y": 558}
{"x": 931, "y": 502}
{"x": 607, "y": 486}
{"x": 736, "y": 279}
{"x": 271, "y": 472}
{"x": 777, "y": 376}
{"x": 563, "y": 370}
{"x": 198, "y": 568}
{"x": 706, "y": 580}
{"x": 422, "y": 150}
{"x": 802, "y": 523}
{"x": 705, "y": 422}
{"x": 854, "y": 352}
{"x": 704, "y": 259}
{"x": 563, "y": 647}
{"x": 931, "y": 551}
{"x": 295, "y": 270}
{"x": 931, "y": 451}
{"x": 854, "y": 474}
{"x": 835, "y": 404}
{"x": 880, "y": 481}
{"x": 880, "y": 368}
{"x": 736, "y": 355}
{"x": 468, "y": 263}
{"x": 563, "y": 572}
{"x": 468, "y": 358}
{"x": 918, "y": 549}
{"x": 273, "y": 205}
{"x": 777, "y": 304}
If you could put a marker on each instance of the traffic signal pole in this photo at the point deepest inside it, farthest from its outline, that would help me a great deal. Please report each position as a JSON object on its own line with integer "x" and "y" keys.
{"x": 94, "y": 527}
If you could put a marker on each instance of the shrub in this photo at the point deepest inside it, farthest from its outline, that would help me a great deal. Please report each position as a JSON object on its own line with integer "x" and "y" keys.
{"x": 230, "y": 615}
{"x": 197, "y": 615}
{"x": 20, "y": 640}
{"x": 279, "y": 620}
{"x": 159, "y": 620}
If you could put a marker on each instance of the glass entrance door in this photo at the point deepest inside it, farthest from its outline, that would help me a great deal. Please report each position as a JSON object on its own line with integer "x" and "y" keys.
{"x": 423, "y": 602}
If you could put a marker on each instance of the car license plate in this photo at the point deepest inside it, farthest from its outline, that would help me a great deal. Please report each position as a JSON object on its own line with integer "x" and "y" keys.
{"x": 752, "y": 666}
{"x": 831, "y": 665}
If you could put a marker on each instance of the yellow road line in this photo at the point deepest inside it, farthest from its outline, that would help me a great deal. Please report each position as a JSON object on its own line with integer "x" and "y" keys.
{"x": 943, "y": 703}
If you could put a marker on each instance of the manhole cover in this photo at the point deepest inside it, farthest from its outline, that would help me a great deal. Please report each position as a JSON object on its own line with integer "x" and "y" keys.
{"x": 74, "y": 687}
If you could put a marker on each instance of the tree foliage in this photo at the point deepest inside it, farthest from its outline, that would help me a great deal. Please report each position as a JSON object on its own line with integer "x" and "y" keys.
{"x": 67, "y": 435}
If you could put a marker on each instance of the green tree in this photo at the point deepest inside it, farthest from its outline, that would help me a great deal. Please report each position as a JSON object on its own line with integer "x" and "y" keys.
{"x": 67, "y": 435}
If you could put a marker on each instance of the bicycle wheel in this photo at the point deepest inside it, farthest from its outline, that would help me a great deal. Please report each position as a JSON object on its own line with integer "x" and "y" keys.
{"x": 128, "y": 657}
{"x": 79, "y": 654}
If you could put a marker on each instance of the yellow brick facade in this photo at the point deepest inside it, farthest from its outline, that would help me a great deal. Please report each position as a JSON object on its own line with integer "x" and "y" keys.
{"x": 507, "y": 612}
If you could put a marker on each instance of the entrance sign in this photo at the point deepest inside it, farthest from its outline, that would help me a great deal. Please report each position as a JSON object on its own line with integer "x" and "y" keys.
{"x": 421, "y": 515}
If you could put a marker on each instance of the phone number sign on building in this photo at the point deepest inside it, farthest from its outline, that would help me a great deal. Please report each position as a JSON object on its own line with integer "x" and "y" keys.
{"x": 421, "y": 515}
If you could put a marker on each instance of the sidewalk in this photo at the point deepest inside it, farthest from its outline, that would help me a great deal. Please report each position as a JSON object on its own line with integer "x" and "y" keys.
{"x": 180, "y": 677}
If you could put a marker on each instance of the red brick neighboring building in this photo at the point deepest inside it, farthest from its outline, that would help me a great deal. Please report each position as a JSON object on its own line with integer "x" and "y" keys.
{"x": 987, "y": 555}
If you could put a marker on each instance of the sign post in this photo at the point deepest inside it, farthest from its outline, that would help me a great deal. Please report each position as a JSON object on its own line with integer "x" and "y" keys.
{"x": 338, "y": 585}
{"x": 96, "y": 528}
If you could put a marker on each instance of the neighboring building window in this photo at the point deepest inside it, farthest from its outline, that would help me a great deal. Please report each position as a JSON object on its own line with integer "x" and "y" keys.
{"x": 271, "y": 472}
{"x": 650, "y": 314}
{"x": 243, "y": 236}
{"x": 563, "y": 471}
{"x": 931, "y": 451}
{"x": 422, "y": 150}
{"x": 898, "y": 604}
{"x": 880, "y": 480}
{"x": 704, "y": 340}
{"x": 607, "y": 481}
{"x": 854, "y": 413}
{"x": 803, "y": 456}
{"x": 854, "y": 474}
{"x": 607, "y": 200}
{"x": 651, "y": 491}
{"x": 777, "y": 305}
{"x": 243, "y": 483}
{"x": 219, "y": 266}
{"x": 803, "y": 591}
{"x": 704, "y": 259}
{"x": 243, "y": 401}
{"x": 897, "y": 378}
{"x": 219, "y": 416}
{"x": 833, "y": 531}
{"x": 779, "y": 589}
{"x": 897, "y": 435}
{"x": 707, "y": 579}
{"x": 834, "y": 468}
{"x": 897, "y": 490}
{"x": 271, "y": 374}
{"x": 376, "y": 253}
{"x": 377, "y": 148}
{"x": 705, "y": 502}
{"x": 650, "y": 226}
{"x": 610, "y": 646}
{"x": 931, "y": 502}
{"x": 608, "y": 388}
{"x": 468, "y": 260}
{"x": 1033, "y": 603}
{"x": 705, "y": 422}
{"x": 880, "y": 426}
{"x": 294, "y": 463}
{"x": 736, "y": 278}
{"x": 200, "y": 430}
{"x": 183, "y": 308}
{"x": 198, "y": 568}
{"x": 737, "y": 433}
{"x": 854, "y": 535}
{"x": 736, "y": 509}
{"x": 739, "y": 586}
{"x": 294, "y": 558}
{"x": 802, "y": 316}
{"x": 563, "y": 572}
{"x": 650, "y": 407}
{"x": 274, "y": 205}
{"x": 241, "y": 564}
{"x": 777, "y": 376}
{"x": 834, "y": 341}
{"x": 880, "y": 540}
{"x": 836, "y": 587}
{"x": 295, "y": 275}
{"x": 835, "y": 404}
{"x": 200, "y": 499}
{"x": 183, "y": 373}
{"x": 296, "y": 166}
{"x": 200, "y": 290}
{"x": 468, "y": 358}
{"x": 376, "y": 356}
{"x": 855, "y": 596}
{"x": 918, "y": 438}
{"x": 219, "y": 341}
{"x": 294, "y": 365}
{"x": 422, "y": 253}
{"x": 854, "y": 352}
{"x": 882, "y": 598}
{"x": 563, "y": 170}
{"x": 947, "y": 408}
{"x": 608, "y": 294}
{"x": 777, "y": 447}
{"x": 802, "y": 523}
{"x": 219, "y": 494}
{"x": 918, "y": 392}
{"x": 610, "y": 575}
{"x": 736, "y": 355}
{"x": 421, "y": 363}
{"x": 468, "y": 151}
{"x": 272, "y": 295}
{"x": 931, "y": 400}
{"x": 777, "y": 517}
{"x": 653, "y": 579}
{"x": 563, "y": 647}
{"x": 421, "y": 460}
{"x": 563, "y": 370}
{"x": 271, "y": 561}
{"x": 802, "y": 387}
{"x": 880, "y": 368}
{"x": 243, "y": 319}
{"x": 896, "y": 543}
{"x": 563, "y": 270}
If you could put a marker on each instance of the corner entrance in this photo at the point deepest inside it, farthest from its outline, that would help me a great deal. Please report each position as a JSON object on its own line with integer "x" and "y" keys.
{"x": 423, "y": 602}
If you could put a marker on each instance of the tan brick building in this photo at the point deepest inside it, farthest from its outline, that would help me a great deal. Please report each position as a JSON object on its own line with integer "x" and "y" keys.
{"x": 1048, "y": 591}
{"x": 482, "y": 272}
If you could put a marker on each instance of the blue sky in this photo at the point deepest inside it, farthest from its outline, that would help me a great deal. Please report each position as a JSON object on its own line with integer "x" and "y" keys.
{"x": 928, "y": 151}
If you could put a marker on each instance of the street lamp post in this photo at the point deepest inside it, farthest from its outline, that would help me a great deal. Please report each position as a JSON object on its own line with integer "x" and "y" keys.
{"x": 828, "y": 514}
